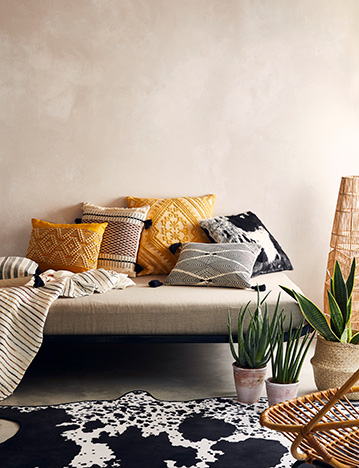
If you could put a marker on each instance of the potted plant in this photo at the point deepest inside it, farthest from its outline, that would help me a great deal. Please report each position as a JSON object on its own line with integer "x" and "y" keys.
{"x": 253, "y": 349}
{"x": 336, "y": 354}
{"x": 288, "y": 352}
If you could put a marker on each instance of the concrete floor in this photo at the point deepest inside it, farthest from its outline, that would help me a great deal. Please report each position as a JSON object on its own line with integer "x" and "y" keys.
{"x": 63, "y": 373}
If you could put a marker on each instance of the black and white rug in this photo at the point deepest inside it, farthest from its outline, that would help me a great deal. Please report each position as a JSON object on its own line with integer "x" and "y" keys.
{"x": 139, "y": 431}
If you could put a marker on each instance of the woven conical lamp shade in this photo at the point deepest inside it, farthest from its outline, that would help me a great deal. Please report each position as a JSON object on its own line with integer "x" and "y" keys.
{"x": 344, "y": 241}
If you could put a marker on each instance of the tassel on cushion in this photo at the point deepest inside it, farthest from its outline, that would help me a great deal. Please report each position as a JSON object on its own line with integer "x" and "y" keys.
{"x": 155, "y": 283}
{"x": 259, "y": 287}
{"x": 147, "y": 224}
{"x": 138, "y": 268}
{"x": 174, "y": 247}
{"x": 38, "y": 283}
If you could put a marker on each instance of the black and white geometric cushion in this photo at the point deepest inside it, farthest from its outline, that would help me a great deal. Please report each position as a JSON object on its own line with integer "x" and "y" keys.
{"x": 225, "y": 265}
{"x": 247, "y": 227}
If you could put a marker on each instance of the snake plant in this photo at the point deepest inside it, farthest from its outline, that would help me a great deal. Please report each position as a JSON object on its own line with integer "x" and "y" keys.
{"x": 340, "y": 296}
{"x": 253, "y": 348}
{"x": 288, "y": 351}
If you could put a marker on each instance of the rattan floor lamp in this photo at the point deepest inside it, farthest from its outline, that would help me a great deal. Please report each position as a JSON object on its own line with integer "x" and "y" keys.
{"x": 344, "y": 243}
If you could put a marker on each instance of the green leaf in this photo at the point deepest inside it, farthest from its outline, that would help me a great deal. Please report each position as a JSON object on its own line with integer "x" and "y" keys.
{"x": 350, "y": 333}
{"x": 242, "y": 361}
{"x": 307, "y": 339}
{"x": 273, "y": 327}
{"x": 288, "y": 291}
{"x": 315, "y": 317}
{"x": 336, "y": 317}
{"x": 263, "y": 338}
{"x": 261, "y": 301}
{"x": 345, "y": 336}
{"x": 249, "y": 340}
{"x": 249, "y": 362}
{"x": 351, "y": 278}
{"x": 289, "y": 346}
{"x": 355, "y": 339}
{"x": 231, "y": 342}
{"x": 331, "y": 282}
{"x": 340, "y": 291}
{"x": 349, "y": 309}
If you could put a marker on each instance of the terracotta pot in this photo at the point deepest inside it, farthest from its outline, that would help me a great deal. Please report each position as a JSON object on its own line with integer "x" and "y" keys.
{"x": 278, "y": 392}
{"x": 249, "y": 383}
{"x": 333, "y": 363}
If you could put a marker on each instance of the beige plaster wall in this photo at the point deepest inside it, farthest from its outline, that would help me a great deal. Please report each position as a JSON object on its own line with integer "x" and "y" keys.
{"x": 254, "y": 100}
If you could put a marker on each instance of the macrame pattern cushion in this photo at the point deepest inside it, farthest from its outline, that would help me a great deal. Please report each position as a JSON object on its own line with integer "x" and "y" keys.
{"x": 16, "y": 267}
{"x": 121, "y": 238}
{"x": 225, "y": 265}
{"x": 72, "y": 247}
{"x": 247, "y": 227}
{"x": 173, "y": 220}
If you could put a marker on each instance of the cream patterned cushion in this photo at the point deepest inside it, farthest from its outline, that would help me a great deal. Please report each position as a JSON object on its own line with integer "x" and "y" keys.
{"x": 225, "y": 265}
{"x": 121, "y": 238}
{"x": 173, "y": 220}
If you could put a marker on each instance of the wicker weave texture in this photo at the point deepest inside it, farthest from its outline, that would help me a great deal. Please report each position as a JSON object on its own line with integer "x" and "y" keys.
{"x": 344, "y": 243}
{"x": 334, "y": 439}
{"x": 333, "y": 363}
{"x": 322, "y": 425}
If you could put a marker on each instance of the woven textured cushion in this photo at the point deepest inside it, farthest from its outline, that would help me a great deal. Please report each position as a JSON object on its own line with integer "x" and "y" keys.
{"x": 73, "y": 247}
{"x": 121, "y": 238}
{"x": 173, "y": 220}
{"x": 222, "y": 265}
{"x": 16, "y": 267}
{"x": 247, "y": 227}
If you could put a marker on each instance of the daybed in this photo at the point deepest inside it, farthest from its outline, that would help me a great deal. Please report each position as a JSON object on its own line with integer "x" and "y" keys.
{"x": 235, "y": 252}
{"x": 162, "y": 314}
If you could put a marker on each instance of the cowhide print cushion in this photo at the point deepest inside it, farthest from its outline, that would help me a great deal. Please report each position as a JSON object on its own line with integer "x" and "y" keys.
{"x": 247, "y": 227}
{"x": 138, "y": 431}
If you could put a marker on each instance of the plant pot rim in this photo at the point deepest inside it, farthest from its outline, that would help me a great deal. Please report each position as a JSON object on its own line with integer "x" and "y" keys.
{"x": 249, "y": 368}
{"x": 338, "y": 343}
{"x": 269, "y": 381}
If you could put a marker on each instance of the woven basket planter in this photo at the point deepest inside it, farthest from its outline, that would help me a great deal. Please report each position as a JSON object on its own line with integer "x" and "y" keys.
{"x": 333, "y": 363}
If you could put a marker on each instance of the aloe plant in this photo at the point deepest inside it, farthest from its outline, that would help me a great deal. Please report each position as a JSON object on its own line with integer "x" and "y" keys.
{"x": 253, "y": 347}
{"x": 288, "y": 352}
{"x": 340, "y": 296}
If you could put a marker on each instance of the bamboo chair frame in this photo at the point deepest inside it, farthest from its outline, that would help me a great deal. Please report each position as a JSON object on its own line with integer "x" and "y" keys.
{"x": 322, "y": 426}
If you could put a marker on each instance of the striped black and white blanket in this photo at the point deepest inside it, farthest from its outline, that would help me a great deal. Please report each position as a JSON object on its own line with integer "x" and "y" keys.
{"x": 23, "y": 312}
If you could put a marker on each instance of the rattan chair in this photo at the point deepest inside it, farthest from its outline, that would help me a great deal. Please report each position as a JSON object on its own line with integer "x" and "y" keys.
{"x": 323, "y": 426}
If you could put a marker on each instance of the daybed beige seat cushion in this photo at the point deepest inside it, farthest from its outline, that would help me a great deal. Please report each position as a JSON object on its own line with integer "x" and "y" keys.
{"x": 166, "y": 310}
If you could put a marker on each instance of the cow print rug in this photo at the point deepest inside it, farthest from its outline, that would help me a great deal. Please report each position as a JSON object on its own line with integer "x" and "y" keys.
{"x": 139, "y": 431}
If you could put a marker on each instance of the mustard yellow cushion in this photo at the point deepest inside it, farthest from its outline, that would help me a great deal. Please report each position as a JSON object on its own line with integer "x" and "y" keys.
{"x": 173, "y": 220}
{"x": 73, "y": 247}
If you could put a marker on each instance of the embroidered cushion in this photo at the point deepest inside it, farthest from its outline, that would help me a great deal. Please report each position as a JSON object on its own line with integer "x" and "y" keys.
{"x": 247, "y": 227}
{"x": 73, "y": 247}
{"x": 16, "y": 267}
{"x": 121, "y": 238}
{"x": 173, "y": 220}
{"x": 225, "y": 265}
